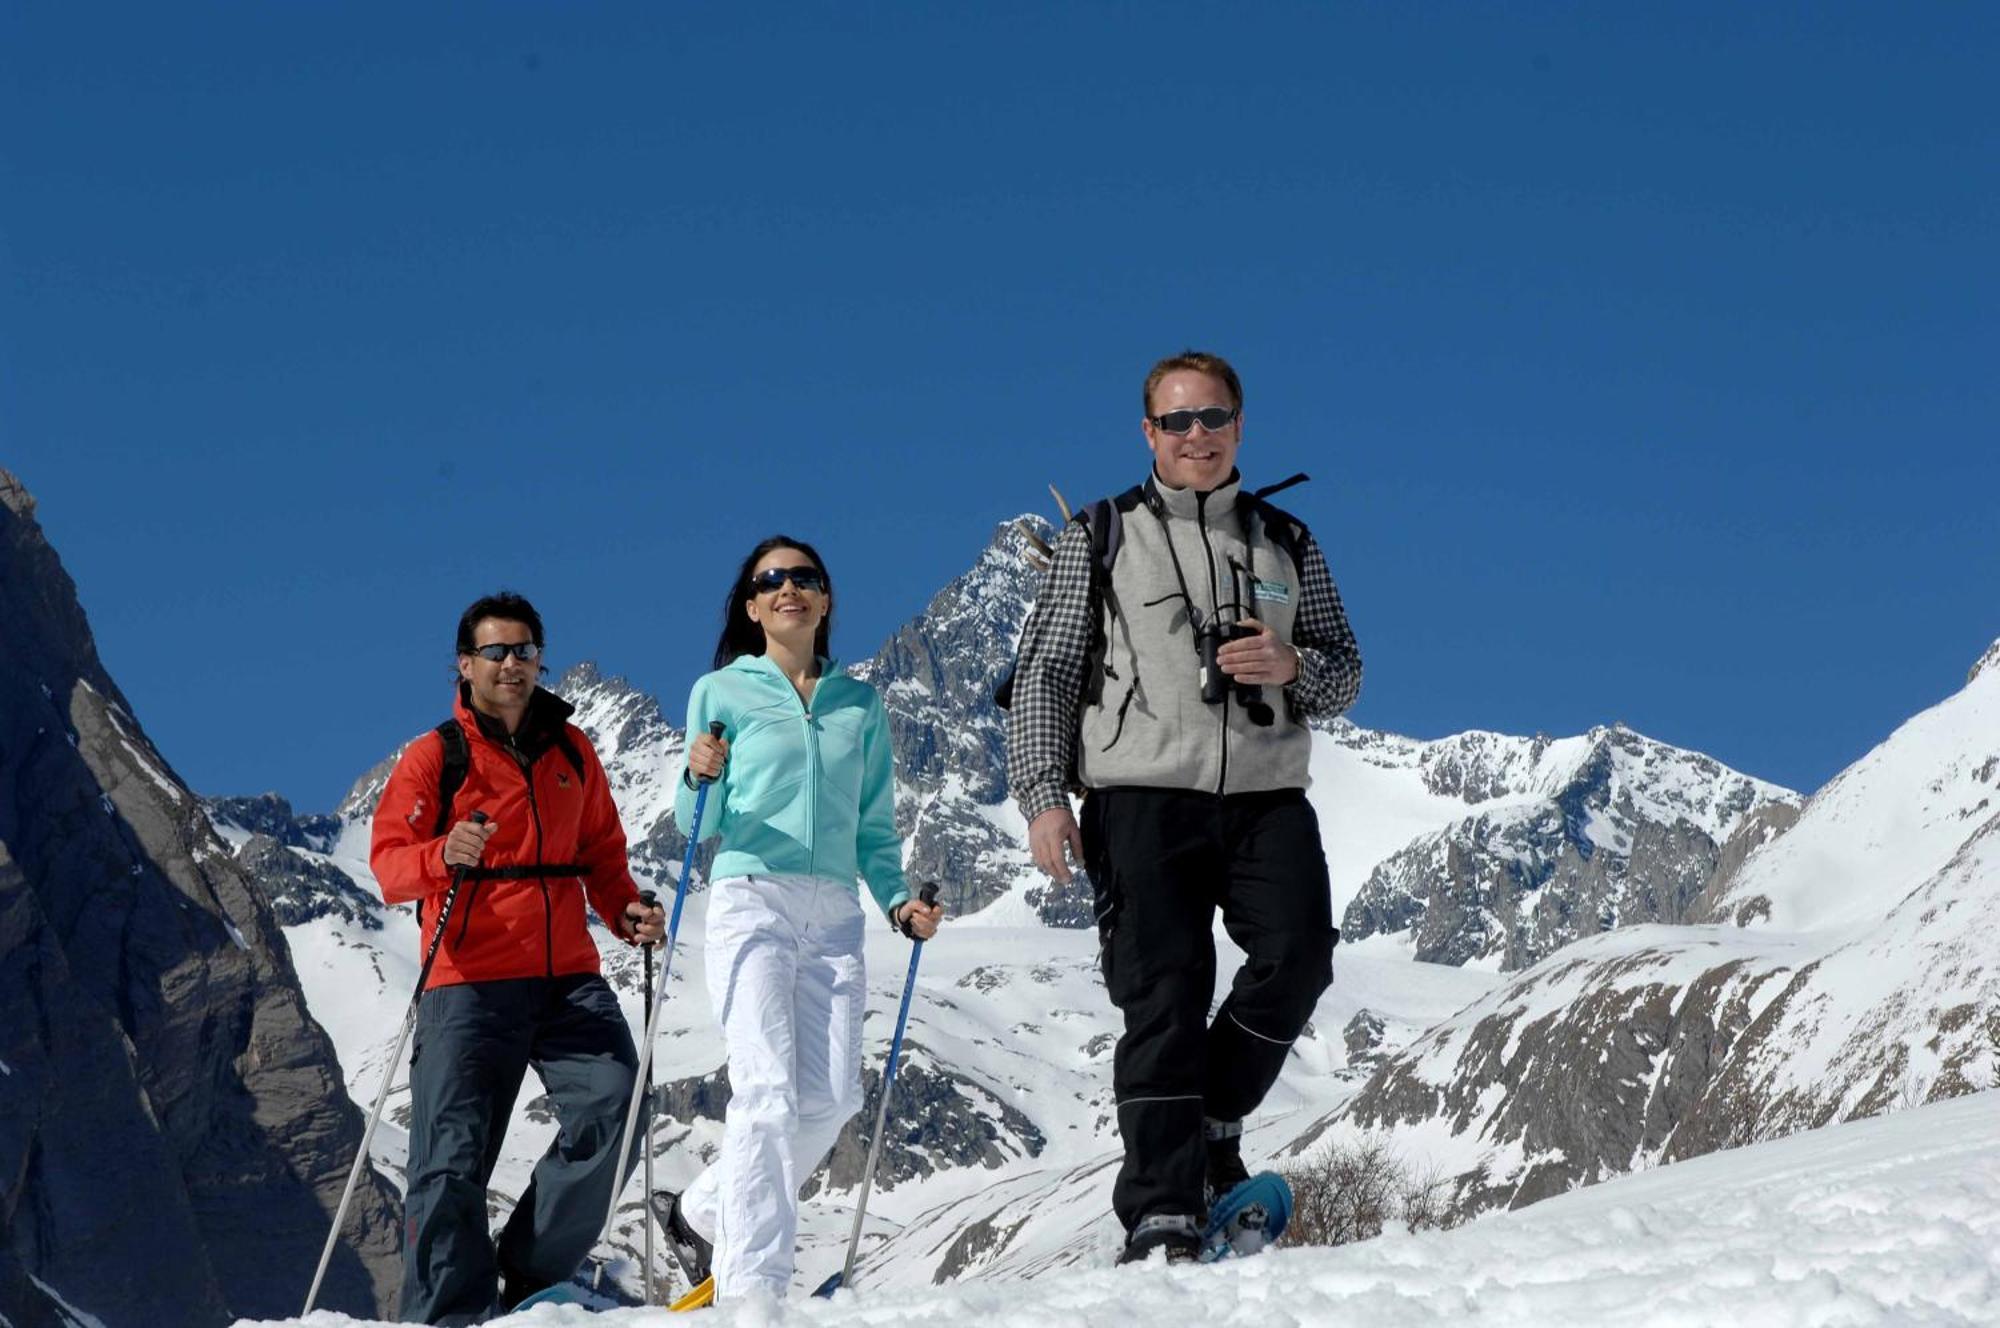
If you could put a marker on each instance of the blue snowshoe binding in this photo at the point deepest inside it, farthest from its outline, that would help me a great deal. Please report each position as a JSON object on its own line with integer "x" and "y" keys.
{"x": 1249, "y": 1218}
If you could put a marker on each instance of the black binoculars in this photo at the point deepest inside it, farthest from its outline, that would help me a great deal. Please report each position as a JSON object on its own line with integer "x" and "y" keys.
{"x": 1215, "y": 684}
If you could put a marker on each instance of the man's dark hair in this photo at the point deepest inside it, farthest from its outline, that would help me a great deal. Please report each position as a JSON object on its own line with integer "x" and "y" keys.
{"x": 740, "y": 636}
{"x": 1201, "y": 362}
{"x": 504, "y": 604}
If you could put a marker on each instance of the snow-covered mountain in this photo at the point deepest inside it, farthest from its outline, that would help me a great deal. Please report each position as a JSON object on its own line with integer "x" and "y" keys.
{"x": 1565, "y": 838}
{"x": 936, "y": 677}
{"x": 1852, "y": 968}
{"x": 1479, "y": 848}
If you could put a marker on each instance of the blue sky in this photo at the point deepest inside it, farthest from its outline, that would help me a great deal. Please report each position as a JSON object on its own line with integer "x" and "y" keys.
{"x": 1644, "y": 362}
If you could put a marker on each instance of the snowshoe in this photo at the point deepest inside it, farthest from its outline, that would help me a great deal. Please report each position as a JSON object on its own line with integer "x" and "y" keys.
{"x": 562, "y": 1293}
{"x": 700, "y": 1298}
{"x": 1247, "y": 1219}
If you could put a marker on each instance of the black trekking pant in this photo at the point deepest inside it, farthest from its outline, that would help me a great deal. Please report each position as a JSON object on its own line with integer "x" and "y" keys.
{"x": 473, "y": 1044}
{"x": 1161, "y": 861}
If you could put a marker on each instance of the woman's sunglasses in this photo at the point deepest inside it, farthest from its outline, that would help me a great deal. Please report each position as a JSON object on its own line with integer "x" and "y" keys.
{"x": 805, "y": 578}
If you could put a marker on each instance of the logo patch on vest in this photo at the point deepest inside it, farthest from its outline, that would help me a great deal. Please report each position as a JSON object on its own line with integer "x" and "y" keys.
{"x": 562, "y": 779}
{"x": 1271, "y": 592}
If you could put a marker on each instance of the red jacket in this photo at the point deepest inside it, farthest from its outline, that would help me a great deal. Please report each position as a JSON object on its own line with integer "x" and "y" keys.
{"x": 547, "y": 813}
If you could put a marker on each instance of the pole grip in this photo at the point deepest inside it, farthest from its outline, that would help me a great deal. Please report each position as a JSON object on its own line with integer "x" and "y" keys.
{"x": 714, "y": 731}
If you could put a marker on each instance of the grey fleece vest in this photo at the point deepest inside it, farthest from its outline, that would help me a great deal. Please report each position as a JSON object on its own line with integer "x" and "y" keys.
{"x": 1150, "y": 727}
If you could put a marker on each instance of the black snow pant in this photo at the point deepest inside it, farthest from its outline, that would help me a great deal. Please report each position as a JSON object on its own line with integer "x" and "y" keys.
{"x": 474, "y": 1042}
{"x": 1161, "y": 861}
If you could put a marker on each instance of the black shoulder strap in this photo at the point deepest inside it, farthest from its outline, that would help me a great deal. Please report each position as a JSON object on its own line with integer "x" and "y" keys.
{"x": 1106, "y": 529}
{"x": 1280, "y": 486}
{"x": 1283, "y": 529}
{"x": 451, "y": 776}
{"x": 1105, "y": 519}
{"x": 572, "y": 755}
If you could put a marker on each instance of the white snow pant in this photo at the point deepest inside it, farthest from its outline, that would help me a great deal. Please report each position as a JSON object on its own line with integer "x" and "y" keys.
{"x": 785, "y": 975}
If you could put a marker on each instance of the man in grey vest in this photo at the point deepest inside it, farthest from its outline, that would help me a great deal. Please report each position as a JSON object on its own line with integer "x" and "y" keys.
{"x": 1167, "y": 671}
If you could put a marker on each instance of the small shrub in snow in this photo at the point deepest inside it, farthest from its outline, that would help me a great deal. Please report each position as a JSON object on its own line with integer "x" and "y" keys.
{"x": 1350, "y": 1192}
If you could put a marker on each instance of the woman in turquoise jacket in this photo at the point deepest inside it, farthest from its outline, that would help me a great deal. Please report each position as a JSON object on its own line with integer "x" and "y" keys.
{"x": 803, "y": 798}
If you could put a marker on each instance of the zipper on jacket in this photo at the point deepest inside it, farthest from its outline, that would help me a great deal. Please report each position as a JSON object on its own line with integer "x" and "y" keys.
{"x": 812, "y": 786}
{"x": 1215, "y": 611}
{"x": 535, "y": 814}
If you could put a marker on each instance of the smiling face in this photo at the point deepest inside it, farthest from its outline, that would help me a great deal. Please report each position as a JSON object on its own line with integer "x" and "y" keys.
{"x": 788, "y": 614}
{"x": 1196, "y": 459}
{"x": 500, "y": 688}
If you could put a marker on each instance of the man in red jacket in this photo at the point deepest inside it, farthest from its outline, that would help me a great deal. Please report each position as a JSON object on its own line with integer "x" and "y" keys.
{"x": 516, "y": 981}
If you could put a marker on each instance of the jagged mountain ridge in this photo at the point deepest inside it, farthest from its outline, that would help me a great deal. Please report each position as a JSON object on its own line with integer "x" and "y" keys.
{"x": 1504, "y": 847}
{"x": 1566, "y": 838}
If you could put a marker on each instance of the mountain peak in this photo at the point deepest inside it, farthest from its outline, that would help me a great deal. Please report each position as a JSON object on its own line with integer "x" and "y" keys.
{"x": 1986, "y": 661}
{"x": 14, "y": 496}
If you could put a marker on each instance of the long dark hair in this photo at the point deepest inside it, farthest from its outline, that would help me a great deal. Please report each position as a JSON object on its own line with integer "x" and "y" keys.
{"x": 740, "y": 636}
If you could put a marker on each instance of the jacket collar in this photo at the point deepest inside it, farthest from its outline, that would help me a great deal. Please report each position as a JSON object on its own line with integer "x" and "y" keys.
{"x": 547, "y": 713}
{"x": 1192, "y": 503}
{"x": 761, "y": 664}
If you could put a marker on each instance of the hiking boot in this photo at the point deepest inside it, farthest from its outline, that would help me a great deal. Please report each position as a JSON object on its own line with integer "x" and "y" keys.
{"x": 690, "y": 1251}
{"x": 1175, "y": 1234}
{"x": 1225, "y": 1157}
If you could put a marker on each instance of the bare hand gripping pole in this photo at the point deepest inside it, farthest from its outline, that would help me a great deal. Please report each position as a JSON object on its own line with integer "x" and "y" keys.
{"x": 644, "y": 1077}
{"x": 388, "y": 1073}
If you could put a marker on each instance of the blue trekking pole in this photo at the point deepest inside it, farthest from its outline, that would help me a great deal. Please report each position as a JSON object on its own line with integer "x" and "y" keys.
{"x": 639, "y": 1081}
{"x": 840, "y": 1279}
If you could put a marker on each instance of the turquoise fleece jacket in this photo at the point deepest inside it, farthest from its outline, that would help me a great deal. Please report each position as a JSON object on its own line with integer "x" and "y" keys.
{"x": 805, "y": 791}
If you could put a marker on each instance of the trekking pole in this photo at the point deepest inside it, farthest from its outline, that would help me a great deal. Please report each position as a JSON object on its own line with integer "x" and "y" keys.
{"x": 650, "y": 900}
{"x": 653, "y": 1016}
{"x": 388, "y": 1073}
{"x": 929, "y": 895}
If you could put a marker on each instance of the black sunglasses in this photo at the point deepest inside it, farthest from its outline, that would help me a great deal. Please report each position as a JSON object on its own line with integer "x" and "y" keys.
{"x": 805, "y": 578}
{"x": 525, "y": 651}
{"x": 1183, "y": 421}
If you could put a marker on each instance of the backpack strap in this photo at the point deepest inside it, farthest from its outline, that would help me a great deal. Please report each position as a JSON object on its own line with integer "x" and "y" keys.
{"x": 1280, "y": 486}
{"x": 1285, "y": 531}
{"x": 458, "y": 764}
{"x": 572, "y": 755}
{"x": 451, "y": 776}
{"x": 1104, "y": 521}
{"x": 1107, "y": 531}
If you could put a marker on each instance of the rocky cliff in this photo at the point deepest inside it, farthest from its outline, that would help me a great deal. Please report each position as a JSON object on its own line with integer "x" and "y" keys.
{"x": 173, "y": 1130}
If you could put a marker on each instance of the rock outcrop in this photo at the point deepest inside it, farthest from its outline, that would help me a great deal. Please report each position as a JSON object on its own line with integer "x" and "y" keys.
{"x": 173, "y": 1130}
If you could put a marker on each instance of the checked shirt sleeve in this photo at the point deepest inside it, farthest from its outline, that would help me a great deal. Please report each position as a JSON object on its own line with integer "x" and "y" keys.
{"x": 1330, "y": 662}
{"x": 1048, "y": 679}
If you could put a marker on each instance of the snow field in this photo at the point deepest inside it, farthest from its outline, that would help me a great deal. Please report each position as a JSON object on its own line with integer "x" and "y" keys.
{"x": 1891, "y": 1221}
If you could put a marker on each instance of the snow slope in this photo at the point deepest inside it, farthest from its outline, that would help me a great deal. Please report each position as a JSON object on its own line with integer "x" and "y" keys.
{"x": 1889, "y": 1221}
{"x": 1858, "y": 973}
